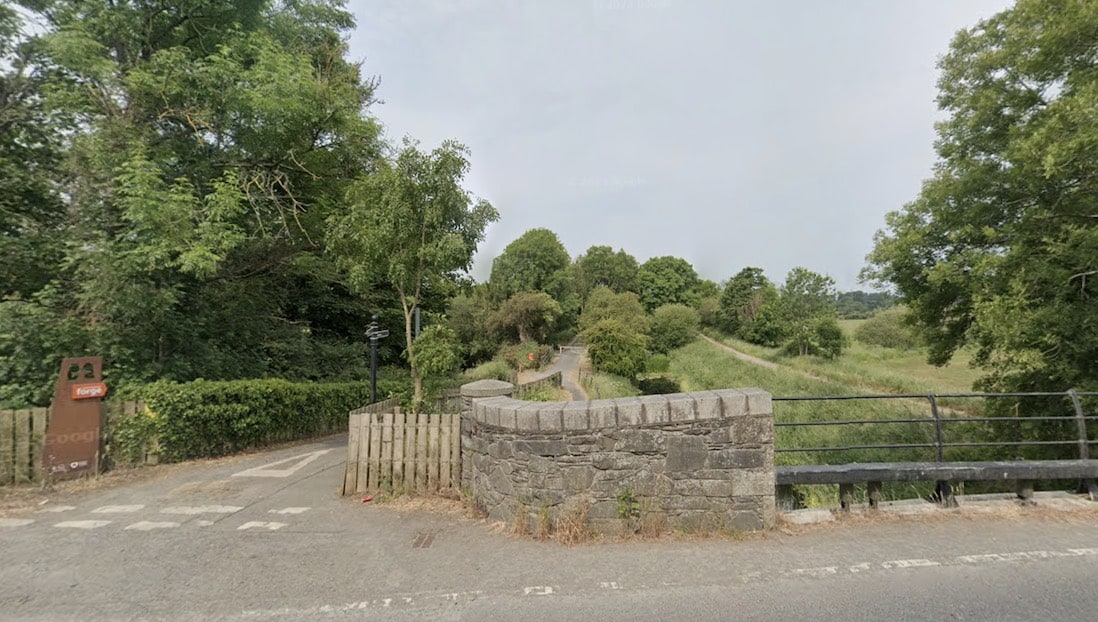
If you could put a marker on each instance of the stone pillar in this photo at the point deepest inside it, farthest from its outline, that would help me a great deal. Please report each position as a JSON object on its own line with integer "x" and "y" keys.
{"x": 470, "y": 392}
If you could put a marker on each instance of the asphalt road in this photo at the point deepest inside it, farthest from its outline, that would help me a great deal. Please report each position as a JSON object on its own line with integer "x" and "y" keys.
{"x": 267, "y": 538}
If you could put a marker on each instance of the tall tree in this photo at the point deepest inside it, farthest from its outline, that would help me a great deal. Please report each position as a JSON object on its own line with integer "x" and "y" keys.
{"x": 202, "y": 146}
{"x": 413, "y": 223}
{"x": 666, "y": 280}
{"x": 600, "y": 265}
{"x": 1000, "y": 248}
{"x": 808, "y": 307}
{"x": 529, "y": 315}
{"x": 534, "y": 262}
{"x": 742, "y": 299}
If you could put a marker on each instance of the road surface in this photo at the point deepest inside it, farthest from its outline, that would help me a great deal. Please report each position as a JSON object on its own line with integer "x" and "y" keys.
{"x": 266, "y": 537}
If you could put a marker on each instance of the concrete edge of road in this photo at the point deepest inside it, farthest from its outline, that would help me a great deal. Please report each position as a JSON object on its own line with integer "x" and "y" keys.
{"x": 994, "y": 504}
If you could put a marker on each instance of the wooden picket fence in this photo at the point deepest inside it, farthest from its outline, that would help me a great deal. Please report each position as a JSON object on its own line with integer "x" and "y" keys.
{"x": 402, "y": 452}
{"x": 21, "y": 434}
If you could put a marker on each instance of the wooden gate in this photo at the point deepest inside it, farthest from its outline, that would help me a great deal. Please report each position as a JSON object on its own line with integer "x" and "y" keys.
{"x": 402, "y": 452}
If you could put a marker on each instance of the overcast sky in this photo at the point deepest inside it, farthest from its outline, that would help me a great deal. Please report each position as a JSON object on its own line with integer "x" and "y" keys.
{"x": 728, "y": 133}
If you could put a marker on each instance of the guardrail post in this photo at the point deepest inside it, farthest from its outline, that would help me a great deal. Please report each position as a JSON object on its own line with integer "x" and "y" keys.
{"x": 846, "y": 496}
{"x": 873, "y": 493}
{"x": 943, "y": 490}
{"x": 1087, "y": 485}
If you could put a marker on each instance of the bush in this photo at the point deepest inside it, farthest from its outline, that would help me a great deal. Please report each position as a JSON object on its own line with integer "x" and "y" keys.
{"x": 495, "y": 369}
{"x": 825, "y": 338}
{"x": 206, "y": 418}
{"x": 519, "y": 355}
{"x": 673, "y": 326}
{"x": 616, "y": 348}
{"x": 888, "y": 329}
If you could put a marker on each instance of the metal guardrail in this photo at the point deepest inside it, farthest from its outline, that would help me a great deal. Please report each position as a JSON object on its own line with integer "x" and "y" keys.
{"x": 1081, "y": 441}
{"x": 873, "y": 473}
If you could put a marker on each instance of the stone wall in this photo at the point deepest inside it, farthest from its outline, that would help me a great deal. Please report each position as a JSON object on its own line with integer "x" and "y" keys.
{"x": 691, "y": 461}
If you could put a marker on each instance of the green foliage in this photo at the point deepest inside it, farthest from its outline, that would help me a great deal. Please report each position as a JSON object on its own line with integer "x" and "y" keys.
{"x": 889, "y": 329}
{"x": 605, "y": 386}
{"x": 808, "y": 308}
{"x": 468, "y": 316}
{"x": 657, "y": 364}
{"x": 165, "y": 178}
{"x": 666, "y": 280}
{"x": 673, "y": 326}
{"x": 825, "y": 338}
{"x": 604, "y": 304}
{"x": 526, "y": 355}
{"x": 600, "y": 265}
{"x": 495, "y": 370}
{"x": 742, "y": 301}
{"x": 616, "y": 347}
{"x": 999, "y": 248}
{"x": 628, "y": 504}
{"x": 414, "y": 226}
{"x": 535, "y": 262}
{"x": 204, "y": 418}
{"x": 437, "y": 351}
{"x": 767, "y": 324}
{"x": 861, "y": 305}
{"x": 527, "y": 315}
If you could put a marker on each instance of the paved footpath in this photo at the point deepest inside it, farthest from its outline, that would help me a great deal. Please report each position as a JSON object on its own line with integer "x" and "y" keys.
{"x": 266, "y": 537}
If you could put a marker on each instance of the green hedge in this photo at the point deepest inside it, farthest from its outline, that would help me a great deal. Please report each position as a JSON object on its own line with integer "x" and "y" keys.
{"x": 214, "y": 418}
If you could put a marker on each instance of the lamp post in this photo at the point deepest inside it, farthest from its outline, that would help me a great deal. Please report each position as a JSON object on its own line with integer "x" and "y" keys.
{"x": 373, "y": 333}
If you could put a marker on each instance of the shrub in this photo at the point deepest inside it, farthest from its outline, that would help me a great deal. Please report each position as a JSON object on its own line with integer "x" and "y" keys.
{"x": 206, "y": 418}
{"x": 888, "y": 329}
{"x": 616, "y": 348}
{"x": 673, "y": 326}
{"x": 825, "y": 338}
{"x": 528, "y": 355}
{"x": 495, "y": 369}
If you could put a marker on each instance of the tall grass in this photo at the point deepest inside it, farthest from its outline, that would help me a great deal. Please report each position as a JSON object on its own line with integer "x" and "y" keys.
{"x": 600, "y": 386}
{"x": 701, "y": 366}
{"x": 874, "y": 369}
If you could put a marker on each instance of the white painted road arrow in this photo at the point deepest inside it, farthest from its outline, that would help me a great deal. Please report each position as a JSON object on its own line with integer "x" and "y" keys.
{"x": 298, "y": 462}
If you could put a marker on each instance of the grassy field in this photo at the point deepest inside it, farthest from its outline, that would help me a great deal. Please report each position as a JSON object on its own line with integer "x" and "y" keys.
{"x": 873, "y": 369}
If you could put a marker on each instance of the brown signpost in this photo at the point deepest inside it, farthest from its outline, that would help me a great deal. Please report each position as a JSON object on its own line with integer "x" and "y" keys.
{"x": 73, "y": 436}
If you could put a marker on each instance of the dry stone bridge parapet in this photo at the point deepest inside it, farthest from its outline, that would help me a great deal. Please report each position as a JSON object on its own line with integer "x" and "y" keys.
{"x": 693, "y": 461}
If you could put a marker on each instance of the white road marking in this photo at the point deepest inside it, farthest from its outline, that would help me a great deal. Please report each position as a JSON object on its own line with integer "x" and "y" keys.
{"x": 194, "y": 510}
{"x": 58, "y": 508}
{"x": 118, "y": 509}
{"x": 823, "y": 571}
{"x": 261, "y": 525}
{"x": 203, "y": 523}
{"x": 609, "y": 585}
{"x": 83, "y": 524}
{"x": 908, "y": 563}
{"x": 388, "y": 601}
{"x": 150, "y": 525}
{"x": 15, "y": 522}
{"x": 980, "y": 558}
{"x": 266, "y": 470}
{"x": 538, "y": 590}
{"x": 289, "y": 511}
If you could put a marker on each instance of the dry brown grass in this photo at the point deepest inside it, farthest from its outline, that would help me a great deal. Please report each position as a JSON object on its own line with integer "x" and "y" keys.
{"x": 572, "y": 522}
{"x": 520, "y": 524}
